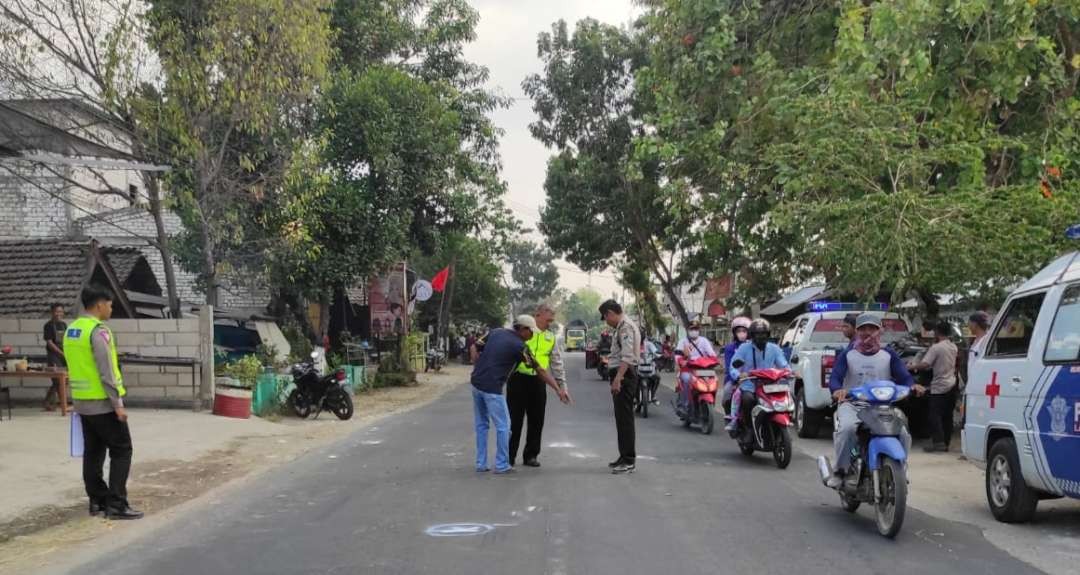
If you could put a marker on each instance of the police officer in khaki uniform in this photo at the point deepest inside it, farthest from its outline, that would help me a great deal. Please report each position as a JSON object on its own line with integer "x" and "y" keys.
{"x": 526, "y": 393}
{"x": 626, "y": 350}
{"x": 98, "y": 390}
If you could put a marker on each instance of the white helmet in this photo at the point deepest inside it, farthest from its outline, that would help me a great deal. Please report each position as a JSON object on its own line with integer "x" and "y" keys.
{"x": 741, "y": 321}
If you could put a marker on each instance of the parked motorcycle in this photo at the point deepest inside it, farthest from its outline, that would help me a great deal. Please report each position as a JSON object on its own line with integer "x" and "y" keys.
{"x": 649, "y": 382}
{"x": 315, "y": 393}
{"x": 768, "y": 428}
{"x": 435, "y": 360}
{"x": 878, "y": 471}
{"x": 703, "y": 387}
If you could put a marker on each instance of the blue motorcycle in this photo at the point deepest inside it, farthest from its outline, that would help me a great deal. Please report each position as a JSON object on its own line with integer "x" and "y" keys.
{"x": 878, "y": 471}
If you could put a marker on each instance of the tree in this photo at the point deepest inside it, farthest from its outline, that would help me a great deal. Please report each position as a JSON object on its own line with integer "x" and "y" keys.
{"x": 581, "y": 306}
{"x": 533, "y": 272}
{"x": 478, "y": 292}
{"x": 590, "y": 112}
{"x": 241, "y": 80}
{"x": 921, "y": 147}
{"x": 95, "y": 55}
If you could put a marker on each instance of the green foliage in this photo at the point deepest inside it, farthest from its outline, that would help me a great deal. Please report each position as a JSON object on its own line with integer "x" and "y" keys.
{"x": 245, "y": 370}
{"x": 582, "y": 305}
{"x": 239, "y": 81}
{"x": 602, "y": 190}
{"x": 925, "y": 145}
{"x": 479, "y": 294}
{"x": 533, "y": 272}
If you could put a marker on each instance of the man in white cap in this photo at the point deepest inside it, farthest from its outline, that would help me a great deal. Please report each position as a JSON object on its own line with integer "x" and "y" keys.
{"x": 503, "y": 350}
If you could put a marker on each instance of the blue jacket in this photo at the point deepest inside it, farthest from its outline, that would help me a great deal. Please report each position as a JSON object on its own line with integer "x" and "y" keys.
{"x": 729, "y": 352}
{"x": 772, "y": 358}
{"x": 900, "y": 373}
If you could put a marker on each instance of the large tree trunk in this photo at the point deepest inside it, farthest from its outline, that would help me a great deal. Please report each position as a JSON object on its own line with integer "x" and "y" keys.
{"x": 209, "y": 266}
{"x": 153, "y": 188}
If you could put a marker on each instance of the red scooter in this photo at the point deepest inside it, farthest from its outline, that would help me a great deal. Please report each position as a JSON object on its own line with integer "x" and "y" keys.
{"x": 703, "y": 388}
{"x": 770, "y": 417}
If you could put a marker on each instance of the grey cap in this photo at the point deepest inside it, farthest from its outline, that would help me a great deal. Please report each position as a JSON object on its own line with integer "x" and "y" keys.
{"x": 868, "y": 319}
{"x": 526, "y": 320}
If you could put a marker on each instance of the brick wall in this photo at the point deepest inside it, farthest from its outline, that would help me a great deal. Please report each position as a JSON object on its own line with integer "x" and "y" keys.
{"x": 151, "y": 385}
{"x": 31, "y": 210}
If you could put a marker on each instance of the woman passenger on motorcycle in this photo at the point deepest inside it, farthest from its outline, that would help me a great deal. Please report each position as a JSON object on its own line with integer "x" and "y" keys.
{"x": 740, "y": 330}
{"x": 758, "y": 353}
{"x": 693, "y": 346}
{"x": 863, "y": 363}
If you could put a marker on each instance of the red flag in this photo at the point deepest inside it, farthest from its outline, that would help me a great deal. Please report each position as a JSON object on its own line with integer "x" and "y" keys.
{"x": 438, "y": 283}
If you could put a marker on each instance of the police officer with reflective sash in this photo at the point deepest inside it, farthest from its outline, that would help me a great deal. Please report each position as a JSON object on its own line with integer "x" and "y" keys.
{"x": 97, "y": 388}
{"x": 526, "y": 393}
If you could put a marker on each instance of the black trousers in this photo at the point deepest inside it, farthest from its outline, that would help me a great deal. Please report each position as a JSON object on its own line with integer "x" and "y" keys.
{"x": 941, "y": 408}
{"x": 526, "y": 396}
{"x": 624, "y": 415}
{"x": 101, "y": 434}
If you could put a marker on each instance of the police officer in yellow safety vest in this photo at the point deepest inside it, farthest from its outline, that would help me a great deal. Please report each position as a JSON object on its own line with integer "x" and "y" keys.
{"x": 98, "y": 390}
{"x": 526, "y": 394}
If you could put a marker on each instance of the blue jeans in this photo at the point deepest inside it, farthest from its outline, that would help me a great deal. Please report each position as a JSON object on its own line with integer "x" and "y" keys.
{"x": 493, "y": 406}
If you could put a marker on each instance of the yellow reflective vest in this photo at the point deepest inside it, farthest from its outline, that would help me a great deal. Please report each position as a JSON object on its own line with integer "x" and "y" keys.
{"x": 540, "y": 346}
{"x": 83, "y": 373}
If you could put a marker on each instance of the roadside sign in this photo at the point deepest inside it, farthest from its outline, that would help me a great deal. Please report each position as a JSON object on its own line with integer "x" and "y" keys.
{"x": 423, "y": 290}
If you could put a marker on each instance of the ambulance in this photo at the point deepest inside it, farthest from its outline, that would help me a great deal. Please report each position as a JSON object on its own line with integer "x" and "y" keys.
{"x": 1023, "y": 395}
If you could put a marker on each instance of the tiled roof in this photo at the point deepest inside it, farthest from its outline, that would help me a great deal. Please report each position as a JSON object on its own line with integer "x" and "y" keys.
{"x": 34, "y": 274}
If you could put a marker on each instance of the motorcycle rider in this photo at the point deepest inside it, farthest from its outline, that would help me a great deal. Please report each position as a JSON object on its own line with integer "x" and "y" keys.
{"x": 740, "y": 330}
{"x": 865, "y": 362}
{"x": 693, "y": 346}
{"x": 758, "y": 353}
{"x": 650, "y": 352}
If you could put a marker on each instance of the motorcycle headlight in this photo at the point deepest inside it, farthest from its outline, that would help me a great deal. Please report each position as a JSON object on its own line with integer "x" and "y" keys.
{"x": 859, "y": 394}
{"x": 782, "y": 405}
{"x": 883, "y": 393}
{"x": 902, "y": 392}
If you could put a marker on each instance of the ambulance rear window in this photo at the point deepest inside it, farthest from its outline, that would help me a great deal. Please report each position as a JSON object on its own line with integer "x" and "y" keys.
{"x": 1064, "y": 343}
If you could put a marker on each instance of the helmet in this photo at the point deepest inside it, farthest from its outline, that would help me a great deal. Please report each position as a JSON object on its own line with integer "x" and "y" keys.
{"x": 759, "y": 326}
{"x": 740, "y": 322}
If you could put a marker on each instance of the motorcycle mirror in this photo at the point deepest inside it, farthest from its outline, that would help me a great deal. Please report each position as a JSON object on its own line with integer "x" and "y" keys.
{"x": 314, "y": 355}
{"x": 738, "y": 363}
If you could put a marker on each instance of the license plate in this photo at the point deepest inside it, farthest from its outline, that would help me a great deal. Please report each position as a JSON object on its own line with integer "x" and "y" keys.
{"x": 776, "y": 388}
{"x": 705, "y": 373}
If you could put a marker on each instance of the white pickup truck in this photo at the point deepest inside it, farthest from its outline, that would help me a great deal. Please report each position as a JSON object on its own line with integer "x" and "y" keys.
{"x": 815, "y": 339}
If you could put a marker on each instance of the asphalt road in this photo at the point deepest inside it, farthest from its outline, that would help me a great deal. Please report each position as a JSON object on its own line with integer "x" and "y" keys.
{"x": 369, "y": 505}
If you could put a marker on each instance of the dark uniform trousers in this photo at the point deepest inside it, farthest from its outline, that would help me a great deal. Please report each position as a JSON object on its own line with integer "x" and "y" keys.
{"x": 526, "y": 396}
{"x": 624, "y": 415}
{"x": 103, "y": 433}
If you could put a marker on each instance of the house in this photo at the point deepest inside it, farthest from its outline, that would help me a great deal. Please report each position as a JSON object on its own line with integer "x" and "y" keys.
{"x": 37, "y": 273}
{"x": 66, "y": 173}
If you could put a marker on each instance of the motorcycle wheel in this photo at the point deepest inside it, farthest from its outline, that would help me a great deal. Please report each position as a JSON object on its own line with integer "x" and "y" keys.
{"x": 746, "y": 449}
{"x": 889, "y": 512}
{"x": 706, "y": 418}
{"x": 343, "y": 406}
{"x": 781, "y": 447}
{"x": 299, "y": 404}
{"x": 849, "y": 504}
{"x": 643, "y": 398}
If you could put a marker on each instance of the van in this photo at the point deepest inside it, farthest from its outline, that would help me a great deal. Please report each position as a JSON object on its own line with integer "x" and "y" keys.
{"x": 1023, "y": 395}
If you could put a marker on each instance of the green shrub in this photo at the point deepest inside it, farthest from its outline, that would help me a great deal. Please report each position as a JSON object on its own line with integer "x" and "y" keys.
{"x": 245, "y": 370}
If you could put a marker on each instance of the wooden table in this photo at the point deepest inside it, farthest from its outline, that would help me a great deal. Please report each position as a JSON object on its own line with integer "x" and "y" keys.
{"x": 61, "y": 375}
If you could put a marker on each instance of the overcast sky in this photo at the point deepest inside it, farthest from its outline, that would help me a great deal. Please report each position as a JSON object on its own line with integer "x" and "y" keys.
{"x": 506, "y": 44}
